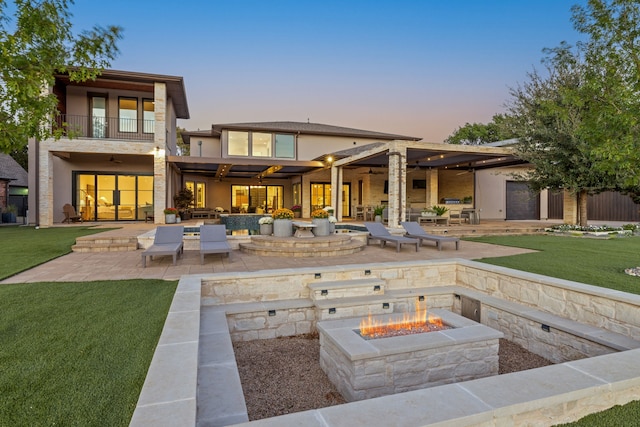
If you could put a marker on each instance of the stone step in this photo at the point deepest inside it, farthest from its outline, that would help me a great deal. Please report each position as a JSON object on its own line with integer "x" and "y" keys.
{"x": 347, "y": 288}
{"x": 360, "y": 306}
{"x": 105, "y": 244}
{"x": 298, "y": 242}
{"x": 346, "y": 248}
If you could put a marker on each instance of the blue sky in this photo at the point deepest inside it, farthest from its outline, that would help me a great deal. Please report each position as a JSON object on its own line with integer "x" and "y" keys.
{"x": 418, "y": 68}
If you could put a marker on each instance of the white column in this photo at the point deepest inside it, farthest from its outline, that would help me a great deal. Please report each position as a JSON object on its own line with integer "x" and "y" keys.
{"x": 336, "y": 191}
{"x": 160, "y": 176}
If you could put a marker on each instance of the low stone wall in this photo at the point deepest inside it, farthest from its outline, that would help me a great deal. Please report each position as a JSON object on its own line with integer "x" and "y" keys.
{"x": 608, "y": 309}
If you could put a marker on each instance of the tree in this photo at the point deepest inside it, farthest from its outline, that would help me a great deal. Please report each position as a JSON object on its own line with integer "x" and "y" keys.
{"x": 548, "y": 114}
{"x": 183, "y": 149}
{"x": 477, "y": 133}
{"x": 612, "y": 55}
{"x": 35, "y": 46}
{"x": 578, "y": 126}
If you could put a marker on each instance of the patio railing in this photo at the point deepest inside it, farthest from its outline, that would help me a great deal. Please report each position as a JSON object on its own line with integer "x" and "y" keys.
{"x": 106, "y": 127}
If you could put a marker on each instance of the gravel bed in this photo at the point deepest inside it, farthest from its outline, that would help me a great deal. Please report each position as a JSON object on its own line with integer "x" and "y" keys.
{"x": 283, "y": 375}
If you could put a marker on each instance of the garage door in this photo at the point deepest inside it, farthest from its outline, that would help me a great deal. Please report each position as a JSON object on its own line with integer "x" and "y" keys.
{"x": 522, "y": 203}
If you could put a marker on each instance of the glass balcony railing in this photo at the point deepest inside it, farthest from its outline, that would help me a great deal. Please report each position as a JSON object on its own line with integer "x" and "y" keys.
{"x": 106, "y": 127}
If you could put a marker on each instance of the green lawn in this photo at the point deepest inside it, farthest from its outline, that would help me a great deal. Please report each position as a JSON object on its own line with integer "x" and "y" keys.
{"x": 77, "y": 354}
{"x": 26, "y": 247}
{"x": 599, "y": 262}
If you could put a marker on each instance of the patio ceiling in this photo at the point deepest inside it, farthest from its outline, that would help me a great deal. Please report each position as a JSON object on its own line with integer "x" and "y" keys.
{"x": 423, "y": 156}
{"x": 244, "y": 168}
{"x": 430, "y": 156}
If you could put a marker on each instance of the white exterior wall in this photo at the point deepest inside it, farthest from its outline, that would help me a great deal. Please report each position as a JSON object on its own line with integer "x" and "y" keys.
{"x": 491, "y": 188}
{"x": 211, "y": 147}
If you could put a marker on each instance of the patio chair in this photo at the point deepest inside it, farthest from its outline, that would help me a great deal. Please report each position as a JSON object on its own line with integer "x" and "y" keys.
{"x": 168, "y": 241}
{"x": 213, "y": 240}
{"x": 456, "y": 216}
{"x": 377, "y": 231}
{"x": 415, "y": 231}
{"x": 70, "y": 214}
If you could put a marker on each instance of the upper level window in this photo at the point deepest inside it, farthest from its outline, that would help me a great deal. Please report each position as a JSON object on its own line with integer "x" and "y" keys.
{"x": 285, "y": 146}
{"x": 260, "y": 144}
{"x": 148, "y": 116}
{"x": 238, "y": 143}
{"x": 128, "y": 114}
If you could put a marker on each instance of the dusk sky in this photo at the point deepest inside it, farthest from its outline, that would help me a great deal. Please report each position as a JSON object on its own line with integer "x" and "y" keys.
{"x": 417, "y": 68}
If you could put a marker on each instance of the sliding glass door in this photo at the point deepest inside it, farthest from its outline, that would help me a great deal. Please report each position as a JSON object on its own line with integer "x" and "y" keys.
{"x": 112, "y": 197}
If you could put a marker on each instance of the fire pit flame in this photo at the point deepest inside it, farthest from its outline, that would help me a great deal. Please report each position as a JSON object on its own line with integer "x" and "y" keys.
{"x": 410, "y": 323}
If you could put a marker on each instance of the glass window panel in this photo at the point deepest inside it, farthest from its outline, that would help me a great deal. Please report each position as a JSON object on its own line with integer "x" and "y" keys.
{"x": 199, "y": 195}
{"x": 285, "y": 146}
{"x": 149, "y": 116}
{"x": 261, "y": 144}
{"x": 128, "y": 114}
{"x": 98, "y": 117}
{"x": 238, "y": 143}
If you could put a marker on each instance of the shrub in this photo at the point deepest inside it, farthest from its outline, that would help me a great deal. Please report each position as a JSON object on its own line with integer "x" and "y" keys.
{"x": 169, "y": 211}
{"x": 296, "y": 208}
{"x": 319, "y": 213}
{"x": 265, "y": 220}
{"x": 283, "y": 213}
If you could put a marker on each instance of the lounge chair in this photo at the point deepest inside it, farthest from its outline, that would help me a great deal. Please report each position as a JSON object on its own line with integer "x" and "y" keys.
{"x": 70, "y": 214}
{"x": 213, "y": 240}
{"x": 168, "y": 241}
{"x": 414, "y": 230}
{"x": 377, "y": 231}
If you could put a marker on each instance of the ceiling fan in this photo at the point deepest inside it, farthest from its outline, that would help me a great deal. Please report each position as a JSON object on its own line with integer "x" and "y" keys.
{"x": 371, "y": 172}
{"x": 470, "y": 170}
{"x": 114, "y": 160}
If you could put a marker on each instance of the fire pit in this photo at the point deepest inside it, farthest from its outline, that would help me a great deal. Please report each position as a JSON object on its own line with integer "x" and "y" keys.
{"x": 410, "y": 323}
{"x": 365, "y": 368}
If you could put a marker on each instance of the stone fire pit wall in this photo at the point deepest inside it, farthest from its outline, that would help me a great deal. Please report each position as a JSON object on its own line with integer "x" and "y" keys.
{"x": 363, "y": 369}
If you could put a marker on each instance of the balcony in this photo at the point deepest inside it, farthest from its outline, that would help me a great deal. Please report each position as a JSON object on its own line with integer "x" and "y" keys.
{"x": 106, "y": 127}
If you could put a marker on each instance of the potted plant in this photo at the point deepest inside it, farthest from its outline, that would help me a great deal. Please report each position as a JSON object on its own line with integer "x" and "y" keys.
{"x": 282, "y": 224}
{"x": 467, "y": 200}
{"x": 183, "y": 201}
{"x": 329, "y": 209}
{"x": 9, "y": 214}
{"x": 439, "y": 210}
{"x": 377, "y": 213}
{"x": 170, "y": 215}
{"x": 320, "y": 218}
{"x": 332, "y": 224}
{"x": 428, "y": 212}
{"x": 297, "y": 211}
{"x": 266, "y": 225}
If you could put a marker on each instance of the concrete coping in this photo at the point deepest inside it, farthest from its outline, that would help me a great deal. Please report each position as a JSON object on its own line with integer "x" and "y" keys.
{"x": 342, "y": 284}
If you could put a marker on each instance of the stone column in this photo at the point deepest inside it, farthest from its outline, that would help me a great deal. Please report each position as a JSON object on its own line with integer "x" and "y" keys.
{"x": 397, "y": 184}
{"x": 46, "y": 214}
{"x": 432, "y": 187}
{"x": 160, "y": 176}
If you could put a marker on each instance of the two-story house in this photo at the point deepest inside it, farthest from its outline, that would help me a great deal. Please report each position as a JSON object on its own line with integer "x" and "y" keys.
{"x": 111, "y": 165}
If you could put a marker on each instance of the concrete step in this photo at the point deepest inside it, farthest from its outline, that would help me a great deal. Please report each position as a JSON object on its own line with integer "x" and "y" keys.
{"x": 338, "y": 248}
{"x": 360, "y": 306}
{"x": 347, "y": 288}
{"x": 297, "y": 242}
{"x": 105, "y": 244}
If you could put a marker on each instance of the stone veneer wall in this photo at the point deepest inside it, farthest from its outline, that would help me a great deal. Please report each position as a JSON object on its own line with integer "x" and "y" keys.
{"x": 608, "y": 309}
{"x": 277, "y": 285}
{"x": 260, "y": 325}
{"x": 556, "y": 345}
{"x": 397, "y": 373}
